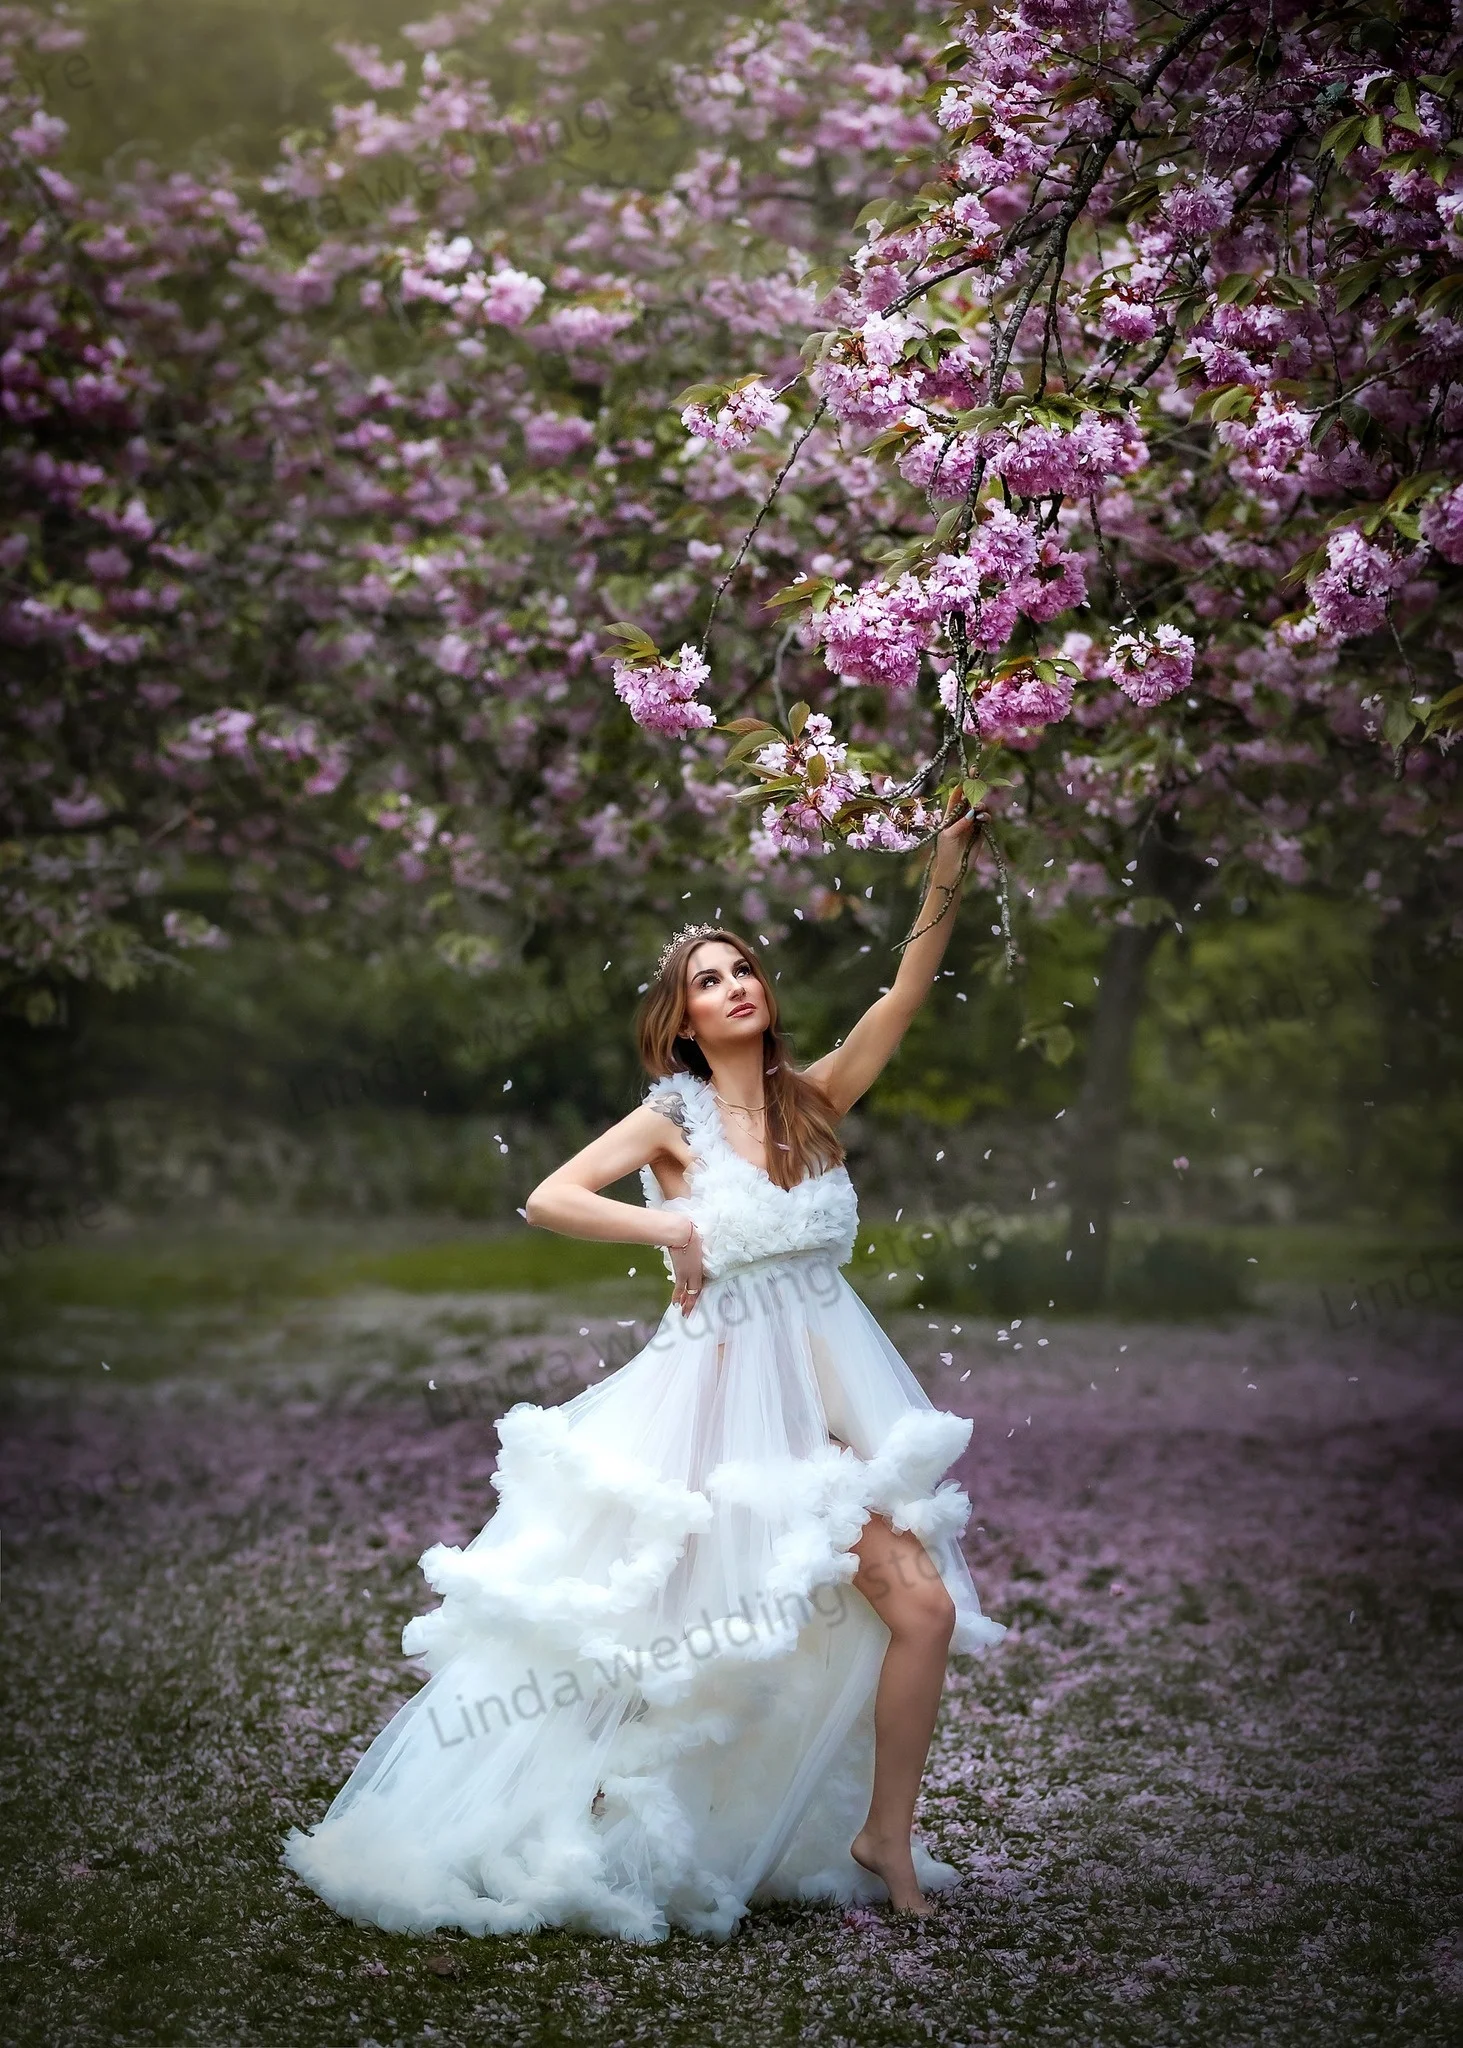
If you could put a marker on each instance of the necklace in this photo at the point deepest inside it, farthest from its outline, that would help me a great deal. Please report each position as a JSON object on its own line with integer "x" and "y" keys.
{"x": 747, "y": 1108}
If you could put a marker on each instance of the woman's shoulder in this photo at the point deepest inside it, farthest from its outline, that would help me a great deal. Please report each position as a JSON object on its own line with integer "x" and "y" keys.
{"x": 667, "y": 1083}
{"x": 671, "y": 1095}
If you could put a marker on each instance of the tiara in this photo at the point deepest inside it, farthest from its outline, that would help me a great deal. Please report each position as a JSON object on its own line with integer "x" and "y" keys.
{"x": 687, "y": 931}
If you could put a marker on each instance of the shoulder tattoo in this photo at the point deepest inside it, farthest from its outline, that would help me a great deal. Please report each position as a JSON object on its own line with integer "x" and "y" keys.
{"x": 672, "y": 1106}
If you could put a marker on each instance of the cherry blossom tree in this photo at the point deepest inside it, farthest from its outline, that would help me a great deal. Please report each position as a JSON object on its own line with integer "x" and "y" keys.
{"x": 319, "y": 480}
{"x": 469, "y": 521}
{"x": 1165, "y": 347}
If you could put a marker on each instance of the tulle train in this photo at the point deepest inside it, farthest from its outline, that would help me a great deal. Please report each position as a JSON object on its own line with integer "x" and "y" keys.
{"x": 650, "y": 1684}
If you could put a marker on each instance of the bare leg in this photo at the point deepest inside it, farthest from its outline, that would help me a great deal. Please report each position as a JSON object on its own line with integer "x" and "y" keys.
{"x": 900, "y": 1581}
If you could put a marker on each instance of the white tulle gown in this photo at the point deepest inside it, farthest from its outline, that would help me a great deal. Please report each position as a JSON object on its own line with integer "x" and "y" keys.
{"x": 650, "y": 1700}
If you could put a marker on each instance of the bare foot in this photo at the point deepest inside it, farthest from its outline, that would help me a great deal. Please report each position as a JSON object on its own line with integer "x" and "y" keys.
{"x": 895, "y": 1864}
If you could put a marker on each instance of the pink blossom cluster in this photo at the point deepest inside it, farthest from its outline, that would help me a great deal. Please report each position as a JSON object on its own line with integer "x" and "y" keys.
{"x": 1441, "y": 525}
{"x": 187, "y": 929}
{"x": 553, "y": 436}
{"x": 1044, "y": 461}
{"x": 940, "y": 463}
{"x": 1022, "y": 700}
{"x": 588, "y": 326}
{"x": 225, "y": 732}
{"x": 440, "y": 271}
{"x": 1012, "y": 709}
{"x": 895, "y": 830}
{"x": 998, "y": 105}
{"x": 1128, "y": 316}
{"x": 878, "y": 634}
{"x": 1198, "y": 209}
{"x": 82, "y": 806}
{"x": 1352, "y": 593}
{"x": 797, "y": 824}
{"x": 1077, "y": 17}
{"x": 742, "y": 413}
{"x": 661, "y": 695}
{"x": 1152, "y": 667}
{"x": 864, "y": 378}
{"x": 1269, "y": 444}
{"x": 510, "y": 297}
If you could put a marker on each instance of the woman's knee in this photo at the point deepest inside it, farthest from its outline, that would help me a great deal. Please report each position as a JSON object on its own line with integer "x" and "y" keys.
{"x": 927, "y": 1611}
{"x": 903, "y": 1583}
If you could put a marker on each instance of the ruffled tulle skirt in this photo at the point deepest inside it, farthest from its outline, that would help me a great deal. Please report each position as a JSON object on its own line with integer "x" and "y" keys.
{"x": 650, "y": 1700}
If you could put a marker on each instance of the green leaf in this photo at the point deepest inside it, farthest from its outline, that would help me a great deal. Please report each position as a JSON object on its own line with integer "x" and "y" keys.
{"x": 796, "y": 593}
{"x": 1406, "y": 160}
{"x": 1344, "y": 137}
{"x": 1235, "y": 404}
{"x": 1306, "y": 567}
{"x": 638, "y": 646}
{"x": 975, "y": 791}
{"x": 746, "y": 725}
{"x": 769, "y": 784}
{"x": 1412, "y": 488}
{"x": 1398, "y": 723}
{"x": 893, "y": 437}
{"x": 1054, "y": 1042}
{"x": 1389, "y": 331}
{"x": 1237, "y": 289}
{"x": 1286, "y": 290}
{"x": 817, "y": 769}
{"x": 695, "y": 394}
{"x": 1447, "y": 711}
{"x": 797, "y": 718}
{"x": 855, "y": 808}
{"x": 1142, "y": 195}
{"x": 1440, "y": 297}
{"x": 1074, "y": 90}
{"x": 1404, "y": 107}
{"x": 1357, "y": 282}
{"x": 749, "y": 744}
{"x": 1150, "y": 910}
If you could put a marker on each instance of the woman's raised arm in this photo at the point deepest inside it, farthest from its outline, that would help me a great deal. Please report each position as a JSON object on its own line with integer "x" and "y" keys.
{"x": 852, "y": 1068}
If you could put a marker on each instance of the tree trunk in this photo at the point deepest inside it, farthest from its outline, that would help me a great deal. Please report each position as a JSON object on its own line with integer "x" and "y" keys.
{"x": 1101, "y": 1113}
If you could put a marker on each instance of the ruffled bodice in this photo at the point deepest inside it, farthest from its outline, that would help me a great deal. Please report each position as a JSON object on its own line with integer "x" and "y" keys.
{"x": 740, "y": 1211}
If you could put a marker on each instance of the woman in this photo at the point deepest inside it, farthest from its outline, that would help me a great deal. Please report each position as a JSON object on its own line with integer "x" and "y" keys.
{"x": 693, "y": 1661}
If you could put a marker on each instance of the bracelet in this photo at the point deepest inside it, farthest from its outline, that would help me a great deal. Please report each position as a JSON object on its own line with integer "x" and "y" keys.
{"x": 690, "y": 1233}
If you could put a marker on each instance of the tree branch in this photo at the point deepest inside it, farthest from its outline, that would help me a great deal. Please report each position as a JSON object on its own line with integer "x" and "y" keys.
{"x": 766, "y": 507}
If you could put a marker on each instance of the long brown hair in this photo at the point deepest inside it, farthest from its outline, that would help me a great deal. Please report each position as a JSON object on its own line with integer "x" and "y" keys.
{"x": 801, "y": 1125}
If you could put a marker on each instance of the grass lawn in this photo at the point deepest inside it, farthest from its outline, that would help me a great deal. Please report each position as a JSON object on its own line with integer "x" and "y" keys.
{"x": 163, "y": 1266}
{"x": 1209, "y": 1789}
